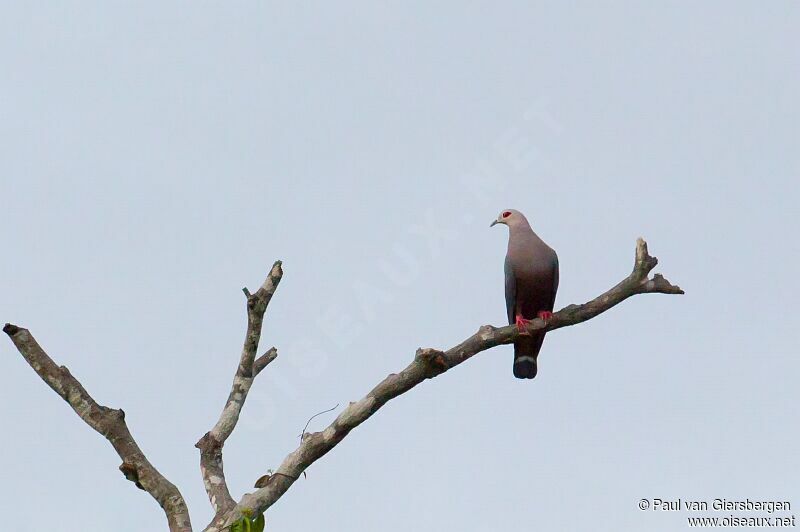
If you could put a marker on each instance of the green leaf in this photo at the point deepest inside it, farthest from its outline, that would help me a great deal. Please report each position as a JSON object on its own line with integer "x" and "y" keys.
{"x": 244, "y": 524}
{"x": 258, "y": 523}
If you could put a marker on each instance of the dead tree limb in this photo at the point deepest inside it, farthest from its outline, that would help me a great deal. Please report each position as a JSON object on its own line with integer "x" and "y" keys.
{"x": 211, "y": 443}
{"x": 110, "y": 423}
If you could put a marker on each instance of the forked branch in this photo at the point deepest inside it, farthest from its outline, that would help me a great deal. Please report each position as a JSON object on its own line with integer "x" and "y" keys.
{"x": 427, "y": 364}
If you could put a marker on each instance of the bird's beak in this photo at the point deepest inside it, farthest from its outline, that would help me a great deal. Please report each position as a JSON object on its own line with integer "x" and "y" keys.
{"x": 493, "y": 223}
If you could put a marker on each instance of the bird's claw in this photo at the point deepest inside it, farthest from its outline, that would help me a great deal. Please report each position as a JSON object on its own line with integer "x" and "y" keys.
{"x": 522, "y": 325}
{"x": 544, "y": 315}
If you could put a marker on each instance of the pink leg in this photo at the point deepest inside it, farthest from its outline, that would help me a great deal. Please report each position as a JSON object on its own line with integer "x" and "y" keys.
{"x": 544, "y": 315}
{"x": 522, "y": 325}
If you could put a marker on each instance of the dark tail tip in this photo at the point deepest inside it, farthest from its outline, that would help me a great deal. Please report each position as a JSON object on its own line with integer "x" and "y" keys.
{"x": 525, "y": 369}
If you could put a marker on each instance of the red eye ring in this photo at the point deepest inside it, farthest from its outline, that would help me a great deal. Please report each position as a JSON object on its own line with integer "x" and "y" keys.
{"x": 506, "y": 214}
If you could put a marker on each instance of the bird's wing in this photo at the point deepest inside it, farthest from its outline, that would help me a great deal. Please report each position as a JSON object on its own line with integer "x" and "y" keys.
{"x": 555, "y": 281}
{"x": 511, "y": 291}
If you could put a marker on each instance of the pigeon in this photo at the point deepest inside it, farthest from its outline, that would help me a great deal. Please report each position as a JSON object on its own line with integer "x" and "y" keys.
{"x": 531, "y": 271}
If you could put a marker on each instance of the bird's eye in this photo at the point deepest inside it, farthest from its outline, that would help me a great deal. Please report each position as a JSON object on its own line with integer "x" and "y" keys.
{"x": 506, "y": 214}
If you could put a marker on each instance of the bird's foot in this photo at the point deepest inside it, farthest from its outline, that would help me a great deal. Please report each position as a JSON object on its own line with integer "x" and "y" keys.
{"x": 522, "y": 325}
{"x": 544, "y": 315}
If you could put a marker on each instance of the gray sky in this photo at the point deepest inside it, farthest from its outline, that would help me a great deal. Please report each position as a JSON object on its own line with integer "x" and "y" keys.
{"x": 155, "y": 158}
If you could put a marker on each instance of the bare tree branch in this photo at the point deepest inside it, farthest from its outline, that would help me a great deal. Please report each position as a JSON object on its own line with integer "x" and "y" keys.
{"x": 429, "y": 363}
{"x": 107, "y": 421}
{"x": 264, "y": 360}
{"x": 211, "y": 443}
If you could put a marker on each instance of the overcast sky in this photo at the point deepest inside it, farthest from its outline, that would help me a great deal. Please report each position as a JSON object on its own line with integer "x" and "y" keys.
{"x": 157, "y": 157}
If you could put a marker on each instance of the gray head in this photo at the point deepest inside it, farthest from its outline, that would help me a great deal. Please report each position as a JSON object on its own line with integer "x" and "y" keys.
{"x": 512, "y": 218}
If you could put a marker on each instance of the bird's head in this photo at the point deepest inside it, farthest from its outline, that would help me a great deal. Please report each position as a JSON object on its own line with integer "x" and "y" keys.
{"x": 511, "y": 218}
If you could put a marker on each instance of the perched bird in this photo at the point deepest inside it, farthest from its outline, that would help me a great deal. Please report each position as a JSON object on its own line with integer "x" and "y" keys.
{"x": 531, "y": 283}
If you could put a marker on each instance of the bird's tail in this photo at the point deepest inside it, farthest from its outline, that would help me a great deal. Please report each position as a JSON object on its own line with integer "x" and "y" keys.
{"x": 526, "y": 351}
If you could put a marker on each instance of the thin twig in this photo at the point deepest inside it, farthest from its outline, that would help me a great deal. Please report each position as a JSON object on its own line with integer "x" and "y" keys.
{"x": 302, "y": 434}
